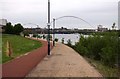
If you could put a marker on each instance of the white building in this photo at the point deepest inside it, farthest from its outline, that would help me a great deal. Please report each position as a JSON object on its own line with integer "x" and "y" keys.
{"x": 3, "y": 22}
{"x": 101, "y": 28}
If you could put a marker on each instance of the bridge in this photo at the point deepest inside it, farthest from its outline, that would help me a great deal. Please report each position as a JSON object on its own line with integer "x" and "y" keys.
{"x": 61, "y": 30}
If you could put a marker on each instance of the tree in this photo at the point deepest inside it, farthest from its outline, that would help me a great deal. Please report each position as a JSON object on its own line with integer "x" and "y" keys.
{"x": 62, "y": 40}
{"x": 44, "y": 36}
{"x": 69, "y": 43}
{"x": 9, "y": 28}
{"x": 56, "y": 39}
{"x": 113, "y": 26}
{"x": 18, "y": 28}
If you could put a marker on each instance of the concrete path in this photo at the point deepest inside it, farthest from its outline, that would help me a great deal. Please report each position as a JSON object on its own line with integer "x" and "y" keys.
{"x": 64, "y": 62}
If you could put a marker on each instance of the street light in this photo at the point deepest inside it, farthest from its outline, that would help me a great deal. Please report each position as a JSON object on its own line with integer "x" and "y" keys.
{"x": 48, "y": 24}
{"x": 53, "y": 32}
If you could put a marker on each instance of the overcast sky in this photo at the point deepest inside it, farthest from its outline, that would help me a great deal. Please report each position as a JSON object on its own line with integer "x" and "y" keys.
{"x": 104, "y": 12}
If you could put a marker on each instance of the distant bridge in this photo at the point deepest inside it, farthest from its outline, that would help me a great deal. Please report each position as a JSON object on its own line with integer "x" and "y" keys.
{"x": 61, "y": 30}
{"x": 75, "y": 18}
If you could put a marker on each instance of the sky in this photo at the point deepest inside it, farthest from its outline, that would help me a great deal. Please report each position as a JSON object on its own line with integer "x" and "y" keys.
{"x": 95, "y": 12}
{"x": 119, "y": 15}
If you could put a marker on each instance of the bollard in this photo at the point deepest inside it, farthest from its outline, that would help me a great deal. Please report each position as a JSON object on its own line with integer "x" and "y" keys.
{"x": 9, "y": 49}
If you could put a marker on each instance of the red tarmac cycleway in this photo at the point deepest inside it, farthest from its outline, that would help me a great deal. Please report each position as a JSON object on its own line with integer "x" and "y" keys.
{"x": 20, "y": 67}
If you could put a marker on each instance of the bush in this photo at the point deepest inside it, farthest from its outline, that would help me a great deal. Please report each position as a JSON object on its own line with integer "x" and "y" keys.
{"x": 62, "y": 40}
{"x": 100, "y": 46}
{"x": 108, "y": 56}
{"x": 38, "y": 36}
{"x": 44, "y": 36}
{"x": 18, "y": 28}
{"x": 50, "y": 37}
{"x": 35, "y": 35}
{"x": 56, "y": 40}
{"x": 26, "y": 33}
{"x": 9, "y": 28}
{"x": 69, "y": 43}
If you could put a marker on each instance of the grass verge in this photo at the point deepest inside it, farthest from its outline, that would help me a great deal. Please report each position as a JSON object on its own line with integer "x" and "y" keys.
{"x": 20, "y": 46}
{"x": 103, "y": 69}
{"x": 0, "y": 48}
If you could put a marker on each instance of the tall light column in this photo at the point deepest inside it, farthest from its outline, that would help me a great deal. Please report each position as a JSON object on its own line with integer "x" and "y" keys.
{"x": 53, "y": 32}
{"x": 48, "y": 27}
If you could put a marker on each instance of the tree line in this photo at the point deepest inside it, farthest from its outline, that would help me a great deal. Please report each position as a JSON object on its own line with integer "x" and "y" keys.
{"x": 10, "y": 29}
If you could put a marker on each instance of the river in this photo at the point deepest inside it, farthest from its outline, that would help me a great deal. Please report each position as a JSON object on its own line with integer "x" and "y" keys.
{"x": 73, "y": 37}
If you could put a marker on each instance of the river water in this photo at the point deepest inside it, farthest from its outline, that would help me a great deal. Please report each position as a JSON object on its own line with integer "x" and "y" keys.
{"x": 73, "y": 37}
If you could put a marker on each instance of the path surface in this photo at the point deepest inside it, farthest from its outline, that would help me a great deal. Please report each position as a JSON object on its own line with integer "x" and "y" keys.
{"x": 21, "y": 66}
{"x": 64, "y": 62}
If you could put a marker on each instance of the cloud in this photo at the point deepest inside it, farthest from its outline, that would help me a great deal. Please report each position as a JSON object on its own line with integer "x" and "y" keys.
{"x": 35, "y": 11}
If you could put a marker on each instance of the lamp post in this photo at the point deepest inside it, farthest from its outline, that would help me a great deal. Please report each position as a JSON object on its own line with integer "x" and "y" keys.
{"x": 48, "y": 24}
{"x": 53, "y": 32}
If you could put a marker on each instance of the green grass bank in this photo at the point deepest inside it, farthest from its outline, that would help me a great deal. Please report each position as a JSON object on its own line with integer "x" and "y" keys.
{"x": 19, "y": 45}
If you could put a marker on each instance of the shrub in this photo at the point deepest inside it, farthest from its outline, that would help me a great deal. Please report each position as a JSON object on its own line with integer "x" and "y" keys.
{"x": 18, "y": 28}
{"x": 34, "y": 35}
{"x": 100, "y": 46}
{"x": 56, "y": 39}
{"x": 44, "y": 36}
{"x": 62, "y": 40}
{"x": 9, "y": 29}
{"x": 69, "y": 43}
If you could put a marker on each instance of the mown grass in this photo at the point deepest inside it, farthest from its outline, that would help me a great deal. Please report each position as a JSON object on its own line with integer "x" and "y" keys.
{"x": 20, "y": 46}
{"x": 0, "y": 48}
{"x": 106, "y": 71}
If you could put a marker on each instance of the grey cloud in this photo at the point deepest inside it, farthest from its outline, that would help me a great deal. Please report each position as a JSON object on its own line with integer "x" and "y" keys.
{"x": 35, "y": 11}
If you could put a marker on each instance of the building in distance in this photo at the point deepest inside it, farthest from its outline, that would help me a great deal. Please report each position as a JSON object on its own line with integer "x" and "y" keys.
{"x": 3, "y": 23}
{"x": 101, "y": 28}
